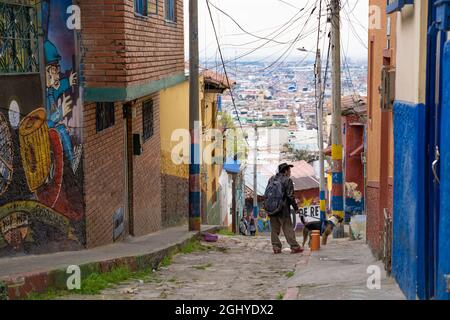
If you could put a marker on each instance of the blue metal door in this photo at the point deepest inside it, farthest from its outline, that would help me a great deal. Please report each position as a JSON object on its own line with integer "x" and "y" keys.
{"x": 443, "y": 236}
{"x": 437, "y": 224}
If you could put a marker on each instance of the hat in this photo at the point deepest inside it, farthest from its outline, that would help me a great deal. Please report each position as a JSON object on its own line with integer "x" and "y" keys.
{"x": 282, "y": 167}
{"x": 52, "y": 55}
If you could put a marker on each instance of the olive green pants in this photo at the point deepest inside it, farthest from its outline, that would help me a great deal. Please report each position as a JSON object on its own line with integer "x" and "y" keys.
{"x": 278, "y": 223}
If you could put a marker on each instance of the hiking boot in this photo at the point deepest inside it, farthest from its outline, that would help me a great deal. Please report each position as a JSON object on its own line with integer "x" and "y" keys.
{"x": 276, "y": 251}
{"x": 297, "y": 250}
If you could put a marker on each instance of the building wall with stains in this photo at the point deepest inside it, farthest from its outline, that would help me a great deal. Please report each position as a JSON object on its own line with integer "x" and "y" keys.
{"x": 353, "y": 165}
{"x": 41, "y": 145}
{"x": 382, "y": 46}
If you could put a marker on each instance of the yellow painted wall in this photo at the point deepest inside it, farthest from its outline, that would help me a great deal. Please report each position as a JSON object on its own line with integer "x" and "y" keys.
{"x": 412, "y": 38}
{"x": 209, "y": 119}
{"x": 174, "y": 114}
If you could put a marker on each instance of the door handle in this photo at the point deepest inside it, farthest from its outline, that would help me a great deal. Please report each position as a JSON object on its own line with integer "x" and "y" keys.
{"x": 434, "y": 165}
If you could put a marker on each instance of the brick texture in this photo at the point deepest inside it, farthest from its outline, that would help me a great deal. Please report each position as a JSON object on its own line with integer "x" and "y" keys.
{"x": 147, "y": 174}
{"x": 375, "y": 222}
{"x": 104, "y": 175}
{"x": 121, "y": 48}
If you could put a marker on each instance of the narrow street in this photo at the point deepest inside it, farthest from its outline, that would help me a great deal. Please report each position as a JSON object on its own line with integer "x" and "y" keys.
{"x": 244, "y": 268}
{"x": 237, "y": 268}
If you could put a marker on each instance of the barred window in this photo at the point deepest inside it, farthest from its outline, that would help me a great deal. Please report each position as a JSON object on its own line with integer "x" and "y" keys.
{"x": 105, "y": 116}
{"x": 147, "y": 119}
{"x": 19, "y": 48}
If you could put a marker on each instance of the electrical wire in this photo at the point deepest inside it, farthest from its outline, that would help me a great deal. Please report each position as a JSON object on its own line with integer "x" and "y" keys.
{"x": 225, "y": 71}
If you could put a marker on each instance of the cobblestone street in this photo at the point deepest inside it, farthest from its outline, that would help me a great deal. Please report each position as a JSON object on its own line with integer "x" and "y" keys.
{"x": 238, "y": 268}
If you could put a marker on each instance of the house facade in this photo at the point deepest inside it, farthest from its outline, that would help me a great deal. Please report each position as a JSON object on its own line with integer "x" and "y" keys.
{"x": 174, "y": 124}
{"x": 421, "y": 130}
{"x": 379, "y": 128}
{"x": 80, "y": 120}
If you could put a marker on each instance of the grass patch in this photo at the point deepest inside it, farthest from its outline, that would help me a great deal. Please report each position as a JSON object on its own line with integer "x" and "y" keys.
{"x": 49, "y": 295}
{"x": 203, "y": 266}
{"x": 289, "y": 274}
{"x": 280, "y": 296}
{"x": 166, "y": 261}
{"x": 194, "y": 245}
{"x": 95, "y": 283}
{"x": 225, "y": 232}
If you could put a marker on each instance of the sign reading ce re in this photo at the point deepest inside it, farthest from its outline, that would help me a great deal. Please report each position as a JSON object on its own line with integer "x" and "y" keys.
{"x": 312, "y": 211}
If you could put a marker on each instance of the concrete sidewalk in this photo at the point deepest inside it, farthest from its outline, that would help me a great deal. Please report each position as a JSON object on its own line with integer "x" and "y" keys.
{"x": 21, "y": 275}
{"x": 339, "y": 272}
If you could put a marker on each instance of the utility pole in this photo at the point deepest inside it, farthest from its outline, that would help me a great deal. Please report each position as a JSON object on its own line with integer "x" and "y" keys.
{"x": 319, "y": 97}
{"x": 194, "y": 127}
{"x": 337, "y": 203}
{"x": 255, "y": 175}
{"x": 234, "y": 219}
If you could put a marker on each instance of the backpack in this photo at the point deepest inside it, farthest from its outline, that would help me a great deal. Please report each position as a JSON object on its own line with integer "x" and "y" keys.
{"x": 274, "y": 197}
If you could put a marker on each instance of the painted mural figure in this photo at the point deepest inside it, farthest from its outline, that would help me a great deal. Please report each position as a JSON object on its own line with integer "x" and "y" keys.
{"x": 57, "y": 104}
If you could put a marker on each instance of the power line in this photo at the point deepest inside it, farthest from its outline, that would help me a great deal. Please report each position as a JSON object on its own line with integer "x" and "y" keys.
{"x": 225, "y": 71}
{"x": 261, "y": 46}
{"x": 240, "y": 27}
{"x": 295, "y": 41}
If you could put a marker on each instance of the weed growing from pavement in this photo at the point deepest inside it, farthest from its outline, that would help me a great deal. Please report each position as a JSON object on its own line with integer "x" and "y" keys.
{"x": 225, "y": 232}
{"x": 280, "y": 296}
{"x": 95, "y": 283}
{"x": 3, "y": 291}
{"x": 289, "y": 274}
{"x": 203, "y": 266}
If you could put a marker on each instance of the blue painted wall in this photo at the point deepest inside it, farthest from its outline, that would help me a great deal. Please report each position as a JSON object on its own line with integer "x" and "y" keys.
{"x": 444, "y": 218}
{"x": 409, "y": 184}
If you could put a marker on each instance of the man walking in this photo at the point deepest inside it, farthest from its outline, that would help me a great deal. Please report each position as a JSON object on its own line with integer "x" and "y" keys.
{"x": 279, "y": 198}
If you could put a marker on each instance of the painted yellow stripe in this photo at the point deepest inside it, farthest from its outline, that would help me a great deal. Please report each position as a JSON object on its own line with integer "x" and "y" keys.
{"x": 336, "y": 152}
{"x": 339, "y": 214}
{"x": 322, "y": 205}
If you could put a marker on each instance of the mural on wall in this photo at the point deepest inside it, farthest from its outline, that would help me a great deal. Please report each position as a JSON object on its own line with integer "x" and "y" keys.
{"x": 354, "y": 200}
{"x": 41, "y": 172}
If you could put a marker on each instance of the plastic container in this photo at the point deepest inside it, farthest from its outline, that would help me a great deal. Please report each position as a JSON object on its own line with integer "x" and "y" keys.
{"x": 315, "y": 240}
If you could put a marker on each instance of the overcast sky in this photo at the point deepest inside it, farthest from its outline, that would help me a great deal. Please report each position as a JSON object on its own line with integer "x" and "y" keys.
{"x": 265, "y": 18}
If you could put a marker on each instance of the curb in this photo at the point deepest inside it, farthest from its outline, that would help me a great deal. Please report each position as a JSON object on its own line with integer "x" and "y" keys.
{"x": 293, "y": 292}
{"x": 19, "y": 286}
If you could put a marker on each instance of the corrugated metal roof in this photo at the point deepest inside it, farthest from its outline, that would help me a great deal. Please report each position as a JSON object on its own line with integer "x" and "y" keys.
{"x": 304, "y": 176}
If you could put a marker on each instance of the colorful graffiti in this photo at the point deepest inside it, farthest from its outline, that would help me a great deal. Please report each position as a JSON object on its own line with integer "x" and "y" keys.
{"x": 41, "y": 172}
{"x": 354, "y": 200}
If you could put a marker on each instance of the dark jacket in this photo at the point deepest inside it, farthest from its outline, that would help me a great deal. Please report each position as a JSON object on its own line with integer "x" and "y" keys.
{"x": 288, "y": 192}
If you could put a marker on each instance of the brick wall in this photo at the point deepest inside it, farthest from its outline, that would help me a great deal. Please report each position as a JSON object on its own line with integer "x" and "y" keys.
{"x": 147, "y": 174}
{"x": 121, "y": 48}
{"x": 104, "y": 175}
{"x": 375, "y": 222}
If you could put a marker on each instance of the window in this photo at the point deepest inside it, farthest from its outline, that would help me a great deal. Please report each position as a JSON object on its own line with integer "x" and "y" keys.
{"x": 18, "y": 37}
{"x": 396, "y": 5}
{"x": 147, "y": 119}
{"x": 153, "y": 7}
{"x": 140, "y": 7}
{"x": 104, "y": 115}
{"x": 170, "y": 10}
